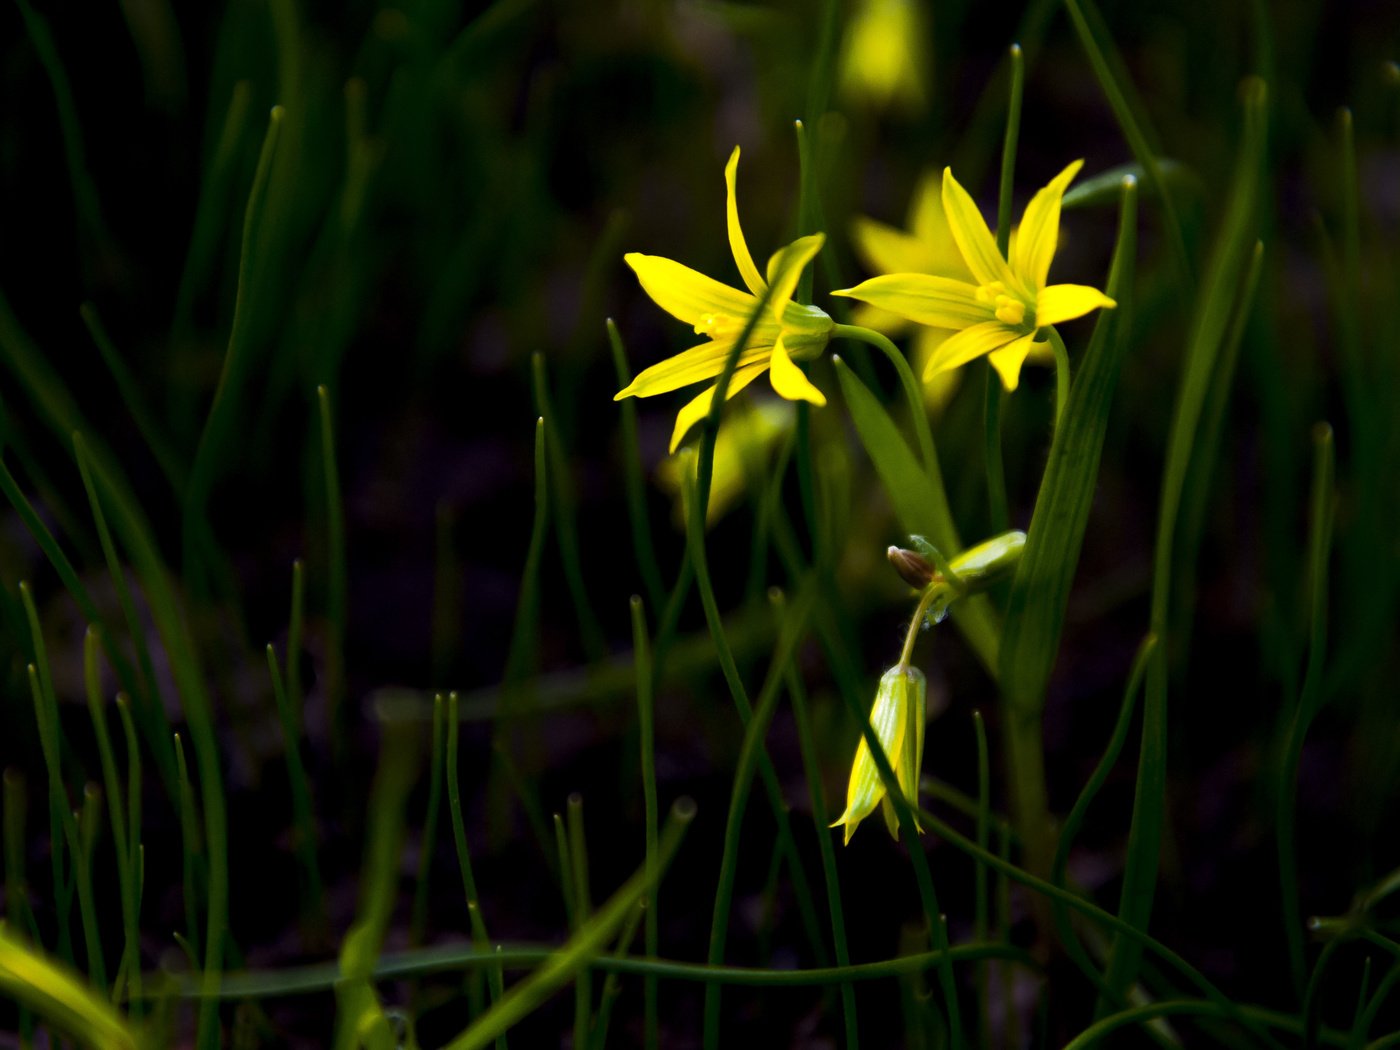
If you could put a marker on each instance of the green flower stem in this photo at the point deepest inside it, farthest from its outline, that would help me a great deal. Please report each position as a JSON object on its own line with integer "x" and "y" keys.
{"x": 913, "y": 394}
{"x": 991, "y": 411}
{"x": 1057, "y": 345}
{"x": 915, "y": 625}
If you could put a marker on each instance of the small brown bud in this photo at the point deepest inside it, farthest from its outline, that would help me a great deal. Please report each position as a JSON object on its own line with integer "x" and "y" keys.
{"x": 913, "y": 568}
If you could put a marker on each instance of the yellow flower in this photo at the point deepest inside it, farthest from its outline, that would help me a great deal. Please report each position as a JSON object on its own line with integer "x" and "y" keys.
{"x": 787, "y": 332}
{"x": 898, "y": 719}
{"x": 880, "y": 62}
{"x": 927, "y": 247}
{"x": 740, "y": 451}
{"x": 1007, "y": 302}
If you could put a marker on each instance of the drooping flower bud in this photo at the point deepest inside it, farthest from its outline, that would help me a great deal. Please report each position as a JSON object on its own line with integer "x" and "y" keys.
{"x": 913, "y": 568}
{"x": 897, "y": 718}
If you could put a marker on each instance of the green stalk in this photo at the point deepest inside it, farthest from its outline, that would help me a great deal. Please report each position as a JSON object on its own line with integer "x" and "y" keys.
{"x": 980, "y": 910}
{"x": 189, "y": 845}
{"x": 428, "y": 844}
{"x": 991, "y": 406}
{"x": 646, "y": 720}
{"x": 1057, "y": 347}
{"x": 633, "y": 482}
{"x": 751, "y": 754}
{"x": 811, "y": 767}
{"x": 303, "y": 819}
{"x": 337, "y": 577}
{"x": 1311, "y": 699}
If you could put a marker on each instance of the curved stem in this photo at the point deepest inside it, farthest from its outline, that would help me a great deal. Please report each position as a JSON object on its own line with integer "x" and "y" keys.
{"x": 912, "y": 391}
{"x": 925, "y": 600}
{"x": 1057, "y": 345}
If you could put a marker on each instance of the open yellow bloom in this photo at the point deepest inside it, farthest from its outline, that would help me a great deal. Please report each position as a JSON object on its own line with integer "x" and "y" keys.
{"x": 898, "y": 719}
{"x": 884, "y": 58}
{"x": 1007, "y": 302}
{"x": 787, "y": 332}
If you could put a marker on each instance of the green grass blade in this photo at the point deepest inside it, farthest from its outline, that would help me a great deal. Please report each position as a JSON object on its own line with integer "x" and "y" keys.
{"x": 338, "y": 572}
{"x": 583, "y": 910}
{"x": 635, "y": 484}
{"x": 360, "y": 1019}
{"x": 581, "y": 948}
{"x": 131, "y": 396}
{"x": 646, "y": 721}
{"x": 225, "y": 410}
{"x": 428, "y": 843}
{"x": 1040, "y": 589}
{"x": 1132, "y": 120}
{"x": 1310, "y": 701}
{"x": 612, "y": 985}
{"x": 1215, "y": 306}
{"x": 812, "y": 770}
{"x": 755, "y": 728}
{"x": 116, "y": 807}
{"x": 61, "y": 998}
{"x": 299, "y": 784}
{"x": 565, "y": 519}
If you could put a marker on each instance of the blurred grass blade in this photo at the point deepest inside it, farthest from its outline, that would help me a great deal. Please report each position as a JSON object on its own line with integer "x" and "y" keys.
{"x": 1216, "y": 303}
{"x": 644, "y": 549}
{"x": 299, "y": 784}
{"x": 360, "y": 1019}
{"x": 1132, "y": 119}
{"x": 646, "y": 721}
{"x": 1106, "y": 188}
{"x": 61, "y": 998}
{"x": 565, "y": 519}
{"x": 581, "y": 948}
{"x": 1040, "y": 589}
{"x": 915, "y": 503}
{"x": 132, "y": 398}
{"x": 1324, "y": 497}
{"x": 225, "y": 411}
{"x": 337, "y": 575}
{"x": 427, "y": 844}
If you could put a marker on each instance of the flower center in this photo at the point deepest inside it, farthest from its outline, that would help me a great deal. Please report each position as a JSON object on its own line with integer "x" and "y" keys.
{"x": 717, "y": 326}
{"x": 1007, "y": 308}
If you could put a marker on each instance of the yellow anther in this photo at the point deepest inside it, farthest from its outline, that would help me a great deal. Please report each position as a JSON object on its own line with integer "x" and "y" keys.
{"x": 1009, "y": 311}
{"x": 989, "y": 293}
{"x": 715, "y": 326}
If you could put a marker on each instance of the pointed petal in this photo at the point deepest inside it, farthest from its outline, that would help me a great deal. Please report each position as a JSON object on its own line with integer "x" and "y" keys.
{"x": 883, "y": 249}
{"x": 939, "y": 389}
{"x": 975, "y": 241}
{"x": 692, "y": 366}
{"x": 1065, "y": 302}
{"x": 865, "y": 789}
{"x": 1008, "y": 360}
{"x": 698, "y": 407}
{"x": 786, "y": 266}
{"x": 747, "y": 270}
{"x": 939, "y": 302}
{"x": 929, "y": 223}
{"x": 685, "y": 294}
{"x": 788, "y": 380}
{"x": 1039, "y": 231}
{"x": 969, "y": 344}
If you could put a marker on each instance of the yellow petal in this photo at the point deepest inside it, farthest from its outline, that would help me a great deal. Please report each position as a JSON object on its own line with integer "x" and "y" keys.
{"x": 1039, "y": 231}
{"x": 1008, "y": 360}
{"x": 939, "y": 302}
{"x": 969, "y": 344}
{"x": 685, "y": 294}
{"x": 747, "y": 270}
{"x": 786, "y": 266}
{"x": 694, "y": 365}
{"x": 929, "y": 223}
{"x": 1065, "y": 302}
{"x": 938, "y": 390}
{"x": 788, "y": 380}
{"x": 883, "y": 249}
{"x": 699, "y": 407}
{"x": 975, "y": 241}
{"x": 888, "y": 719}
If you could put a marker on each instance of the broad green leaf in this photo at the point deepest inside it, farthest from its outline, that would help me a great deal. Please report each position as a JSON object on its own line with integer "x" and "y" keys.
{"x": 913, "y": 497}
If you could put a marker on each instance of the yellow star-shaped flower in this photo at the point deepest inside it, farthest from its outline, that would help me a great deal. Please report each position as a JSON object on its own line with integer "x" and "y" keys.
{"x": 785, "y": 333}
{"x": 1002, "y": 309}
